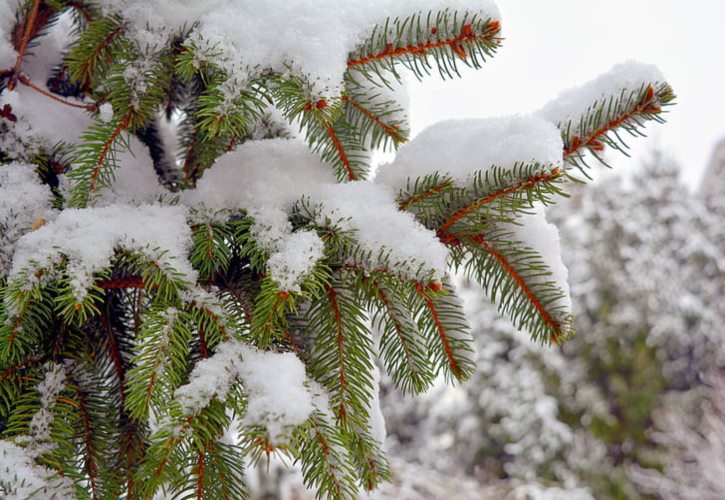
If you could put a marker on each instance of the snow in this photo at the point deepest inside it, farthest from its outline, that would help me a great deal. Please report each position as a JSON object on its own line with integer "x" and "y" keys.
{"x": 49, "y": 389}
{"x": 312, "y": 37}
{"x": 463, "y": 147}
{"x": 393, "y": 238}
{"x": 275, "y": 384}
{"x": 625, "y": 77}
{"x": 267, "y": 177}
{"x": 39, "y": 116}
{"x": 23, "y": 201}
{"x": 295, "y": 255}
{"x": 134, "y": 180}
{"x": 105, "y": 112}
{"x": 25, "y": 479}
{"x": 88, "y": 238}
{"x": 377, "y": 420}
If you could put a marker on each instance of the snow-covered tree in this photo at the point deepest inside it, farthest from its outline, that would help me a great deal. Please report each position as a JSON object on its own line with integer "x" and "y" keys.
{"x": 193, "y": 255}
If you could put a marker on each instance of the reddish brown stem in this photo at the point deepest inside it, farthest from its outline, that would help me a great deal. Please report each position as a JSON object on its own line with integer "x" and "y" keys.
{"x": 392, "y": 131}
{"x": 340, "y": 346}
{"x": 530, "y": 296}
{"x": 592, "y": 140}
{"x": 341, "y": 152}
{"x": 441, "y": 332}
{"x": 28, "y": 31}
{"x": 106, "y": 149}
{"x": 13, "y": 369}
{"x": 129, "y": 282}
{"x": 22, "y": 78}
{"x": 455, "y": 43}
{"x": 200, "y": 477}
{"x": 90, "y": 465}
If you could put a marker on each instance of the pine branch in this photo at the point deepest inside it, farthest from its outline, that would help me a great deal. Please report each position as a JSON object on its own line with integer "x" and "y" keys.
{"x": 402, "y": 348}
{"x": 340, "y": 354}
{"x": 603, "y": 121}
{"x": 518, "y": 281}
{"x": 446, "y": 36}
{"x": 96, "y": 160}
{"x": 534, "y": 187}
{"x": 95, "y": 49}
{"x": 325, "y": 465}
{"x": 325, "y": 127}
{"x": 376, "y": 116}
{"x": 441, "y": 319}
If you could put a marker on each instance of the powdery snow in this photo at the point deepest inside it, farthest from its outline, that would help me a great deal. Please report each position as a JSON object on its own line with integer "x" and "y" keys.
{"x": 393, "y": 238}
{"x": 88, "y": 238}
{"x": 49, "y": 389}
{"x": 25, "y": 479}
{"x": 624, "y": 77}
{"x": 278, "y": 398}
{"x": 134, "y": 180}
{"x": 313, "y": 37}
{"x": 463, "y": 147}
{"x": 24, "y": 200}
{"x": 267, "y": 177}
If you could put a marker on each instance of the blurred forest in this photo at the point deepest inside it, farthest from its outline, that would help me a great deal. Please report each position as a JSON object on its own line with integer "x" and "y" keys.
{"x": 632, "y": 406}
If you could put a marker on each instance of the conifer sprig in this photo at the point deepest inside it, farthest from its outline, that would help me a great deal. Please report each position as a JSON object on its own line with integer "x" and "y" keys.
{"x": 604, "y": 121}
{"x": 447, "y": 37}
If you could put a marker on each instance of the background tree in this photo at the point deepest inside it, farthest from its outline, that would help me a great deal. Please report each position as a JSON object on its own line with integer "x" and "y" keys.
{"x": 184, "y": 286}
{"x": 619, "y": 401}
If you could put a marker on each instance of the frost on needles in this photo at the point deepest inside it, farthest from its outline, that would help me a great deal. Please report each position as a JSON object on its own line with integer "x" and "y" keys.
{"x": 198, "y": 268}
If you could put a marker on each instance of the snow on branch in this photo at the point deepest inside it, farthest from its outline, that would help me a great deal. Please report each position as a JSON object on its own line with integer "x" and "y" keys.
{"x": 88, "y": 239}
{"x": 591, "y": 117}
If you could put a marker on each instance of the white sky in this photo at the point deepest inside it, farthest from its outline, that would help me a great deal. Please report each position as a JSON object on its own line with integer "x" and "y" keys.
{"x": 554, "y": 44}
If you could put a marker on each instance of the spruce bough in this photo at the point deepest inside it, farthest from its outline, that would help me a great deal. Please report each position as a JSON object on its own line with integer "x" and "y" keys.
{"x": 188, "y": 287}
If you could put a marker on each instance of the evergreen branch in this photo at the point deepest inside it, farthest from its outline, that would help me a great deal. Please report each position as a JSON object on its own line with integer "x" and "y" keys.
{"x": 325, "y": 126}
{"x": 441, "y": 319}
{"x": 89, "y": 449}
{"x": 23, "y": 78}
{"x": 401, "y": 347}
{"x": 96, "y": 161}
{"x": 269, "y": 320}
{"x": 161, "y": 363}
{"x": 376, "y": 116}
{"x": 340, "y": 354}
{"x": 340, "y": 338}
{"x": 93, "y": 52}
{"x": 445, "y": 36}
{"x": 598, "y": 126}
{"x": 122, "y": 125}
{"x": 211, "y": 254}
{"x": 30, "y": 28}
{"x": 517, "y": 280}
{"x": 371, "y": 464}
{"x": 434, "y": 187}
{"x": 392, "y": 131}
{"x": 513, "y": 192}
{"x": 325, "y": 466}
{"x": 340, "y": 152}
